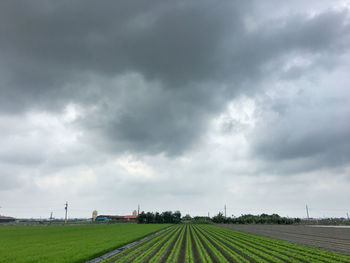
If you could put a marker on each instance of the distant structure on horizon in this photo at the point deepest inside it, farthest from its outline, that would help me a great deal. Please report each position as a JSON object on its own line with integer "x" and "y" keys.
{"x": 6, "y": 219}
{"x": 131, "y": 218}
{"x": 94, "y": 215}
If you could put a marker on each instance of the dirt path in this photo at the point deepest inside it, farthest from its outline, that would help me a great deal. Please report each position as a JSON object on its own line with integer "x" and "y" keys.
{"x": 336, "y": 239}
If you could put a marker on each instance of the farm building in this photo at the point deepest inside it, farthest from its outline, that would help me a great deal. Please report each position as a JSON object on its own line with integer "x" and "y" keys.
{"x": 131, "y": 217}
{"x": 108, "y": 218}
{"x": 116, "y": 218}
{"x": 6, "y": 219}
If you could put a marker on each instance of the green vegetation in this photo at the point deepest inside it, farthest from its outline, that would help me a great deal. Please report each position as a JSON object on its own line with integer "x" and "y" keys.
{"x": 179, "y": 243}
{"x": 255, "y": 219}
{"x": 76, "y": 243}
{"x": 166, "y": 217}
{"x": 209, "y": 243}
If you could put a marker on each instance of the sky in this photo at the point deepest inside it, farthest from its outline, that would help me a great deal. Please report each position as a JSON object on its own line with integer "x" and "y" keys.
{"x": 174, "y": 105}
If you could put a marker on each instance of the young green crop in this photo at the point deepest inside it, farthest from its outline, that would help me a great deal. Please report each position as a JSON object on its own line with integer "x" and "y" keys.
{"x": 200, "y": 248}
{"x": 67, "y": 243}
{"x": 240, "y": 249}
{"x": 235, "y": 256}
{"x": 134, "y": 250}
{"x": 257, "y": 250}
{"x": 162, "y": 250}
{"x": 266, "y": 252}
{"x": 148, "y": 249}
{"x": 212, "y": 243}
{"x": 300, "y": 252}
{"x": 174, "y": 254}
{"x": 292, "y": 257}
{"x": 188, "y": 242}
{"x": 212, "y": 248}
{"x": 189, "y": 252}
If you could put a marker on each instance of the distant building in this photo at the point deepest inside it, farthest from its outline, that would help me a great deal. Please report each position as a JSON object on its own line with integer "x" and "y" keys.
{"x": 131, "y": 218}
{"x": 116, "y": 218}
{"x": 94, "y": 215}
{"x": 108, "y": 218}
{"x": 6, "y": 219}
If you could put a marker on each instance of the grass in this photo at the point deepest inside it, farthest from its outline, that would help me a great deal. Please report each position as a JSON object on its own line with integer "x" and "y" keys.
{"x": 181, "y": 243}
{"x": 67, "y": 243}
{"x": 208, "y": 243}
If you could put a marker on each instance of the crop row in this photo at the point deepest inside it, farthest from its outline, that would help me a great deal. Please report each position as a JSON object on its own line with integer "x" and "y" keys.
{"x": 207, "y": 243}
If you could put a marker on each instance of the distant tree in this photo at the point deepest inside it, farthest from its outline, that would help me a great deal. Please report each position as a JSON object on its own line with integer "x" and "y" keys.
{"x": 149, "y": 218}
{"x": 263, "y": 219}
{"x": 141, "y": 218}
{"x": 158, "y": 218}
{"x": 168, "y": 217}
{"x": 177, "y": 217}
{"x": 219, "y": 218}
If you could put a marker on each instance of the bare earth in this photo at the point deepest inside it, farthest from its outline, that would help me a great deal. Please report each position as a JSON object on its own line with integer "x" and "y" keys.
{"x": 330, "y": 238}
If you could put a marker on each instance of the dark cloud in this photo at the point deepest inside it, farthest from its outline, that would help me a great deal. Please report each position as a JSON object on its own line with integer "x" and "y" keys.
{"x": 310, "y": 129}
{"x": 46, "y": 47}
{"x": 148, "y": 79}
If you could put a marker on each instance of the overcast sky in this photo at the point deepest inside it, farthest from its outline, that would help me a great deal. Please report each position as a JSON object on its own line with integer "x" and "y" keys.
{"x": 174, "y": 105}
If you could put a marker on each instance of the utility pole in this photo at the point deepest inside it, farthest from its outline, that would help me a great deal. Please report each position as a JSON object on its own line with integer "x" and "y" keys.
{"x": 138, "y": 209}
{"x": 208, "y": 215}
{"x": 225, "y": 211}
{"x": 347, "y": 214}
{"x": 307, "y": 213}
{"x": 51, "y": 217}
{"x": 66, "y": 208}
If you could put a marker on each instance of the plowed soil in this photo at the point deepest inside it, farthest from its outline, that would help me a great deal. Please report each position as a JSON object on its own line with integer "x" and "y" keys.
{"x": 330, "y": 238}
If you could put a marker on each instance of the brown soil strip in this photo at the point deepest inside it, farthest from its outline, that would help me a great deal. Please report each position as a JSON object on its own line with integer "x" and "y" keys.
{"x": 237, "y": 244}
{"x": 271, "y": 254}
{"x": 182, "y": 254}
{"x": 237, "y": 251}
{"x": 211, "y": 254}
{"x": 279, "y": 252}
{"x": 196, "y": 256}
{"x": 153, "y": 252}
{"x": 291, "y": 257}
{"x": 336, "y": 239}
{"x": 165, "y": 256}
{"x": 133, "y": 248}
{"x": 134, "y": 244}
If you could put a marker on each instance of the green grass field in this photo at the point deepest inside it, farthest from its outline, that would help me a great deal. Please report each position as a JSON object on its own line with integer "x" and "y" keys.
{"x": 207, "y": 243}
{"x": 181, "y": 243}
{"x": 67, "y": 243}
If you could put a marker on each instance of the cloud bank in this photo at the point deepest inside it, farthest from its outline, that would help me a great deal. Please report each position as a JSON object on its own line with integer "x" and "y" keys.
{"x": 174, "y": 105}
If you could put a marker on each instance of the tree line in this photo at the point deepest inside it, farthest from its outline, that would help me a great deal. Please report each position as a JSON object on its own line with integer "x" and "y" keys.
{"x": 167, "y": 217}
{"x": 255, "y": 219}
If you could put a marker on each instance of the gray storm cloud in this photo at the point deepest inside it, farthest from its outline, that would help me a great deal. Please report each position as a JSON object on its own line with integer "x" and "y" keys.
{"x": 147, "y": 79}
{"x": 201, "y": 56}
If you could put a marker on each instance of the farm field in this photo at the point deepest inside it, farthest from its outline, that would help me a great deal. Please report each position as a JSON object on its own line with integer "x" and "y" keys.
{"x": 208, "y": 243}
{"x": 69, "y": 243}
{"x": 331, "y": 238}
